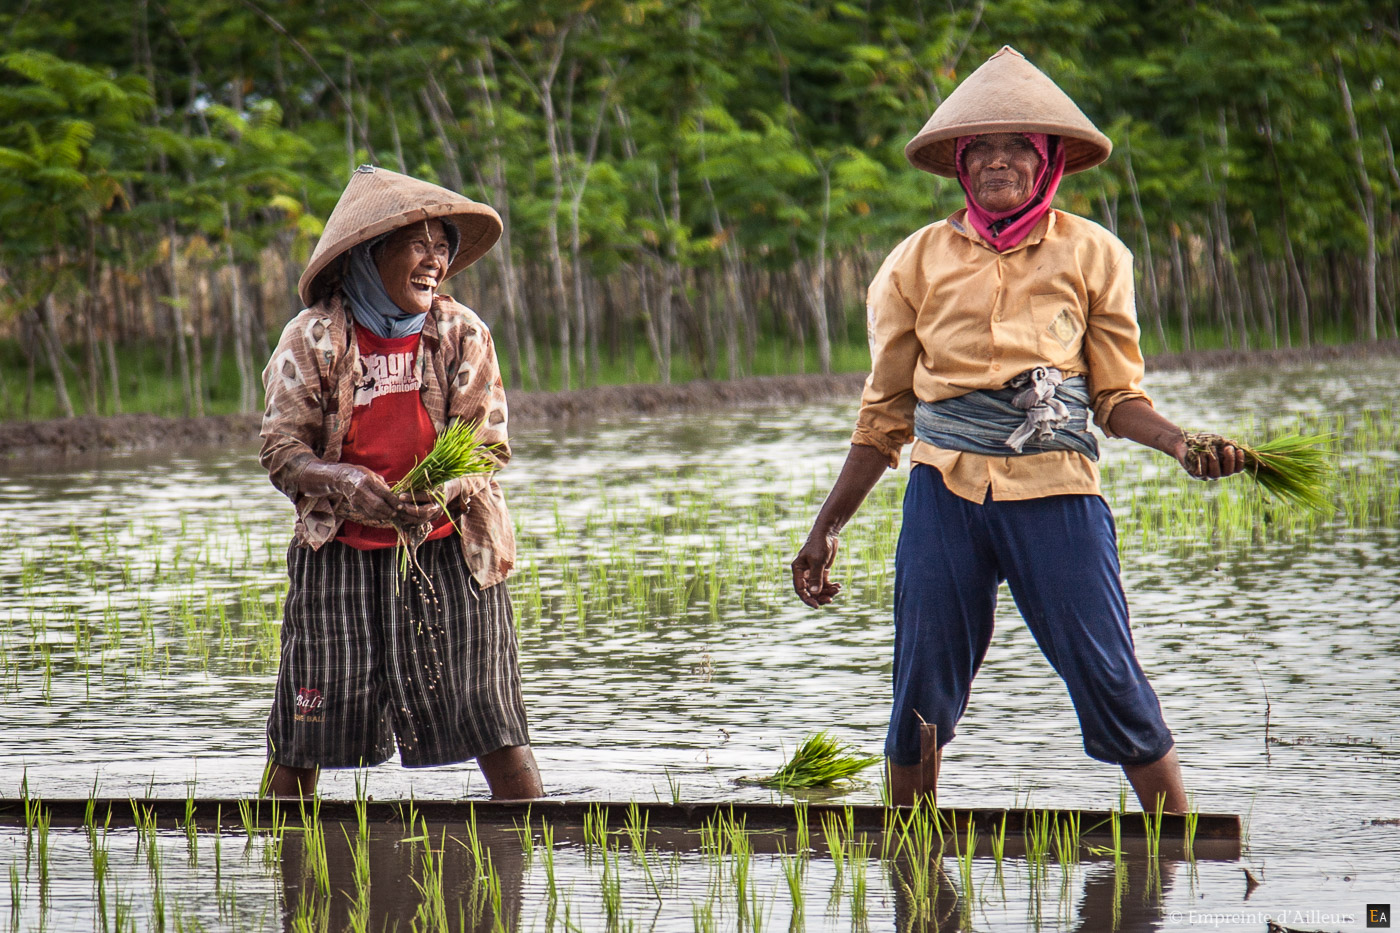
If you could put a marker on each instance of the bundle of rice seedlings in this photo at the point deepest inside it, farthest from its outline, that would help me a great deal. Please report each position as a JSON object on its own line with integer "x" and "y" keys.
{"x": 1294, "y": 468}
{"x": 457, "y": 452}
{"x": 819, "y": 761}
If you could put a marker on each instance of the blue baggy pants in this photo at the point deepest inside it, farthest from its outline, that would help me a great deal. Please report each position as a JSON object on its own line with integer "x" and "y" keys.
{"x": 1059, "y": 555}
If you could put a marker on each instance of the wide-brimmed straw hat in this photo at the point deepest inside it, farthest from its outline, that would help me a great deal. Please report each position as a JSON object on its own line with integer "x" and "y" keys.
{"x": 1006, "y": 95}
{"x": 377, "y": 201}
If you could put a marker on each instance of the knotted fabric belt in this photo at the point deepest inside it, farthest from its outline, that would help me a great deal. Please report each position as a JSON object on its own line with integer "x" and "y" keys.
{"x": 1037, "y": 411}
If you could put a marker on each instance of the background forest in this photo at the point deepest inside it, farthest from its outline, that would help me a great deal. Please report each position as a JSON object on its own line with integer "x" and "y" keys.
{"x": 690, "y": 187}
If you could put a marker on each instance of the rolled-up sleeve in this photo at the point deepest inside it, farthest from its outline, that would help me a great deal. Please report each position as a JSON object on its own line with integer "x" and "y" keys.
{"x": 1111, "y": 344}
{"x": 887, "y": 404}
{"x": 293, "y": 423}
{"x": 477, "y": 394}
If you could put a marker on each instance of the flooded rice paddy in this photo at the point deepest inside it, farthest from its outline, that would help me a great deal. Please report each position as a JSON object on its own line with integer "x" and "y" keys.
{"x": 664, "y": 656}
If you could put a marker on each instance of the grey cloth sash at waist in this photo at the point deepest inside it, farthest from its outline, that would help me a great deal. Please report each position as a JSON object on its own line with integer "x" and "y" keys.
{"x": 1037, "y": 411}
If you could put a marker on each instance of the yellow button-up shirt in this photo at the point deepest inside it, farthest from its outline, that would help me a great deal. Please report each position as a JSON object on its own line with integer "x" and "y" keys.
{"x": 948, "y": 315}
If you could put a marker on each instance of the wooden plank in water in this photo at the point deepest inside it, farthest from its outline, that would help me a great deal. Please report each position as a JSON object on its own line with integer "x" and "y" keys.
{"x": 1217, "y": 835}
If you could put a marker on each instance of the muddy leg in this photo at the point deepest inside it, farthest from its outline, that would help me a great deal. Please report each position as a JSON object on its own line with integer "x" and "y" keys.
{"x": 511, "y": 773}
{"x": 910, "y": 782}
{"x": 285, "y": 781}
{"x": 1162, "y": 779}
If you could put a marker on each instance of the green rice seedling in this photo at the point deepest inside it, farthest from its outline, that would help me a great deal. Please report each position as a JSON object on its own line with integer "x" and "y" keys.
{"x": 1115, "y": 827}
{"x": 611, "y": 886}
{"x": 1193, "y": 818}
{"x": 1152, "y": 827}
{"x": 308, "y": 918}
{"x": 818, "y": 761}
{"x": 794, "y": 873}
{"x": 804, "y": 835}
{"x": 101, "y": 867}
{"x": 473, "y": 843}
{"x": 191, "y": 831}
{"x": 638, "y": 831}
{"x": 595, "y": 827}
{"x": 41, "y": 828}
{"x": 674, "y": 786}
{"x": 1067, "y": 839}
{"x": 526, "y": 835}
{"x": 702, "y": 916}
{"x": 547, "y": 856}
{"x": 859, "y": 860}
{"x": 998, "y": 840}
{"x": 711, "y": 837}
{"x": 1037, "y": 839}
{"x": 277, "y": 835}
{"x": 362, "y": 806}
{"x": 920, "y": 859}
{"x": 408, "y": 813}
{"x": 360, "y": 872}
{"x": 964, "y": 854}
{"x": 314, "y": 845}
{"x": 432, "y": 908}
{"x": 637, "y": 828}
{"x": 835, "y": 844}
{"x": 25, "y": 799}
{"x": 245, "y": 816}
{"x": 1294, "y": 468}
{"x": 741, "y": 865}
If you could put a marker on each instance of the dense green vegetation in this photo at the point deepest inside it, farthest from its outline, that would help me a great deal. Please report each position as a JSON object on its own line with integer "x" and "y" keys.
{"x": 688, "y": 186}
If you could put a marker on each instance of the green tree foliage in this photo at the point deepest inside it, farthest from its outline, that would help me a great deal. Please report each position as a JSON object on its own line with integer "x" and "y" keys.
{"x": 681, "y": 181}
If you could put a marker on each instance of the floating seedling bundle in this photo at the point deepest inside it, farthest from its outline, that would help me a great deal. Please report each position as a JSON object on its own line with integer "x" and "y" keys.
{"x": 1294, "y": 468}
{"x": 818, "y": 761}
{"x": 458, "y": 452}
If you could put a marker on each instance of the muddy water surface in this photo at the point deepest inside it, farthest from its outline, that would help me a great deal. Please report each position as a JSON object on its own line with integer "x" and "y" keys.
{"x": 664, "y": 655}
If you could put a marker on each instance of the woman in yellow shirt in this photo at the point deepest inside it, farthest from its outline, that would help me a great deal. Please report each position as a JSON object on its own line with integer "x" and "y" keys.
{"x": 994, "y": 335}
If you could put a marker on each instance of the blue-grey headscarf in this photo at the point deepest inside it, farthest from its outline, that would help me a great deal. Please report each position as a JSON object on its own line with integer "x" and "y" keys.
{"x": 369, "y": 301}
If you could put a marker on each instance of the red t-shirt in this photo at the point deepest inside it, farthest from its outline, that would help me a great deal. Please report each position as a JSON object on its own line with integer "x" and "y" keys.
{"x": 390, "y": 429}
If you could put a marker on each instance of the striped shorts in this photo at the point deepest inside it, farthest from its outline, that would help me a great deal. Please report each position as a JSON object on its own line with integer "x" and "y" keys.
{"x": 370, "y": 656}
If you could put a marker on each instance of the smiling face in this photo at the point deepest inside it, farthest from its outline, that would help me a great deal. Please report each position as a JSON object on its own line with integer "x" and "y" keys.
{"x": 412, "y": 263}
{"x": 1001, "y": 170}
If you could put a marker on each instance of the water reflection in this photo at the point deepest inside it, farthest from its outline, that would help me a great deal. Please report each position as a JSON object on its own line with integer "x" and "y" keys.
{"x": 432, "y": 883}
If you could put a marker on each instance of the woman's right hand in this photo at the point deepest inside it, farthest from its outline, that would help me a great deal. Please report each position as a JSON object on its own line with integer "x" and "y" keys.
{"x": 811, "y": 569}
{"x": 361, "y": 495}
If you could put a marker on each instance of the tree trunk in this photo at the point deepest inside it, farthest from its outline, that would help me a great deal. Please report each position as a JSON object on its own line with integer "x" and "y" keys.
{"x": 53, "y": 350}
{"x": 238, "y": 322}
{"x": 190, "y": 393}
{"x": 1367, "y": 204}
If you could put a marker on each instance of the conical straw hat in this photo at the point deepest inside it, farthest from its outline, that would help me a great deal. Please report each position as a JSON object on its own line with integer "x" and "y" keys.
{"x": 1006, "y": 95}
{"x": 377, "y": 201}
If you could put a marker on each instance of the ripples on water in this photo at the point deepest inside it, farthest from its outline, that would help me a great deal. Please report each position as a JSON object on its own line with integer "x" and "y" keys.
{"x": 139, "y": 600}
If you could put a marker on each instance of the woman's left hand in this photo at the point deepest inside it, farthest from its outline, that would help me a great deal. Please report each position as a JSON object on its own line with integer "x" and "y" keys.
{"x": 447, "y": 492}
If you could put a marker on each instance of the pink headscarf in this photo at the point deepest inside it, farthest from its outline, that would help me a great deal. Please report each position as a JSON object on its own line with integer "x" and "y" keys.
{"x": 1005, "y": 229}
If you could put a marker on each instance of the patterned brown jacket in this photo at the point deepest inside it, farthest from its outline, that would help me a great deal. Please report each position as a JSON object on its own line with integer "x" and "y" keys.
{"x": 310, "y": 383}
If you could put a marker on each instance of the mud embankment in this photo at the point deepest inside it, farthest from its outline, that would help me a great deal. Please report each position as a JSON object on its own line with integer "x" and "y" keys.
{"x": 69, "y": 436}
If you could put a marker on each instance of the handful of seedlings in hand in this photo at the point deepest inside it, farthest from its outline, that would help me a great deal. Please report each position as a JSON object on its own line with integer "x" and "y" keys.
{"x": 819, "y": 761}
{"x": 1294, "y": 468}
{"x": 457, "y": 452}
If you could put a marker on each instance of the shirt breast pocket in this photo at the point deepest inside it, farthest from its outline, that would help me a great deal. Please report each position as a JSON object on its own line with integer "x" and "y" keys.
{"x": 1059, "y": 324}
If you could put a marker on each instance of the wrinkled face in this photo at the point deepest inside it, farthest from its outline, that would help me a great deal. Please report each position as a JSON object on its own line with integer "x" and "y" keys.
{"x": 411, "y": 262}
{"x": 1001, "y": 170}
